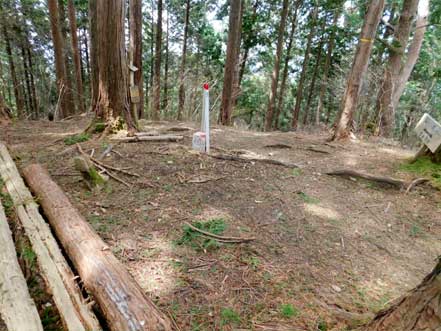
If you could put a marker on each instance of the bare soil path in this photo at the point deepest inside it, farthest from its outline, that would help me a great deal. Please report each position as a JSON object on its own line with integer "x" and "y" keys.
{"x": 328, "y": 251}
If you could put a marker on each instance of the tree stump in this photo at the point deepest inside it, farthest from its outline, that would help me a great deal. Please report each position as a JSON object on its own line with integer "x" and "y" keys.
{"x": 92, "y": 178}
{"x": 418, "y": 310}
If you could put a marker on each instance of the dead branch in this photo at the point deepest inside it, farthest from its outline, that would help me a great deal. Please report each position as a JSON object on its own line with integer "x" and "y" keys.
{"x": 106, "y": 152}
{"x": 179, "y": 129}
{"x": 316, "y": 150}
{"x": 231, "y": 240}
{"x": 229, "y": 157}
{"x": 281, "y": 146}
{"x": 163, "y": 138}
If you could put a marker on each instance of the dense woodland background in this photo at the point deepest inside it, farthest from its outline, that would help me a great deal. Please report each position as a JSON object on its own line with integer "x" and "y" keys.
{"x": 293, "y": 58}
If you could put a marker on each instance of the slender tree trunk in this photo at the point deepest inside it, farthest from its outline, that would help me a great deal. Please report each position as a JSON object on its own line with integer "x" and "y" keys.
{"x": 31, "y": 76}
{"x": 86, "y": 52}
{"x": 135, "y": 20}
{"x": 165, "y": 100}
{"x": 181, "y": 101}
{"x": 276, "y": 69}
{"x": 66, "y": 104}
{"x": 299, "y": 95}
{"x": 157, "y": 69}
{"x": 358, "y": 70}
{"x": 418, "y": 310}
{"x": 30, "y": 102}
{"x": 286, "y": 65}
{"x": 401, "y": 37}
{"x": 313, "y": 80}
{"x": 413, "y": 52}
{"x": 94, "y": 74}
{"x": 19, "y": 101}
{"x": 324, "y": 81}
{"x": 113, "y": 103}
{"x": 76, "y": 54}
{"x": 231, "y": 63}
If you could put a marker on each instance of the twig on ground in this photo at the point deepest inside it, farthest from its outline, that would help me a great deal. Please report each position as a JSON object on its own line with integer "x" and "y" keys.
{"x": 313, "y": 149}
{"x": 229, "y": 157}
{"x": 231, "y": 240}
{"x": 105, "y": 153}
{"x": 415, "y": 183}
{"x": 281, "y": 146}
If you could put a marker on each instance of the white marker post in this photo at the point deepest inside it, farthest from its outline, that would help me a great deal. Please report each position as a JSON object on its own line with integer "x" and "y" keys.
{"x": 429, "y": 131}
{"x": 201, "y": 139}
{"x": 206, "y": 117}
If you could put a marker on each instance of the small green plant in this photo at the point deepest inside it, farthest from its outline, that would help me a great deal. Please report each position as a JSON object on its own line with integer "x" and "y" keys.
{"x": 288, "y": 311}
{"x": 49, "y": 319}
{"x": 424, "y": 167}
{"x": 296, "y": 172}
{"x": 308, "y": 199}
{"x": 322, "y": 325}
{"x": 253, "y": 262}
{"x": 415, "y": 230}
{"x": 29, "y": 256}
{"x": 77, "y": 138}
{"x": 229, "y": 316}
{"x": 196, "y": 240}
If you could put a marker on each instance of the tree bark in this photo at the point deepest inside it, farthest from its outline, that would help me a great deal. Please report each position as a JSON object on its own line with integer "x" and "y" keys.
{"x": 299, "y": 94}
{"x": 135, "y": 20}
{"x": 286, "y": 65}
{"x": 27, "y": 78}
{"x": 76, "y": 54}
{"x": 231, "y": 62}
{"x": 19, "y": 101}
{"x": 358, "y": 70}
{"x": 166, "y": 66}
{"x": 181, "y": 101}
{"x": 418, "y": 310}
{"x": 324, "y": 81}
{"x": 123, "y": 302}
{"x": 401, "y": 36}
{"x": 156, "y": 111}
{"x": 66, "y": 103}
{"x": 113, "y": 103}
{"x": 276, "y": 69}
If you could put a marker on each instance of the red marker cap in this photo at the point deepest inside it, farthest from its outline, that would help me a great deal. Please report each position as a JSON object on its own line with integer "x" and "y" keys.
{"x": 206, "y": 87}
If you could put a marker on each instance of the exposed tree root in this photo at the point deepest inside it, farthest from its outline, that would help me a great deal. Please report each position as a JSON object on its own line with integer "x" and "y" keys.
{"x": 231, "y": 240}
{"x": 229, "y": 157}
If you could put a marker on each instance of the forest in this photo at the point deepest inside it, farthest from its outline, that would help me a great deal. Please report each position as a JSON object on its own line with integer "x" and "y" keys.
{"x": 220, "y": 165}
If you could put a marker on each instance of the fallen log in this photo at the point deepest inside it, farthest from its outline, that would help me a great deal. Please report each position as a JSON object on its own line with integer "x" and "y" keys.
{"x": 16, "y": 306}
{"x": 139, "y": 138}
{"x": 75, "y": 313}
{"x": 123, "y": 303}
{"x": 397, "y": 183}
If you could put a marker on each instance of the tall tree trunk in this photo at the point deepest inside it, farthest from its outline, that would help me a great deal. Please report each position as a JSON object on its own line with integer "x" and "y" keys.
{"x": 231, "y": 63}
{"x": 299, "y": 94}
{"x": 286, "y": 64}
{"x": 413, "y": 52}
{"x": 113, "y": 103}
{"x": 76, "y": 54}
{"x": 247, "y": 43}
{"x": 93, "y": 34}
{"x": 86, "y": 52}
{"x": 324, "y": 81}
{"x": 19, "y": 101}
{"x": 156, "y": 111}
{"x": 181, "y": 101}
{"x": 166, "y": 65}
{"x": 276, "y": 69}
{"x": 313, "y": 80}
{"x": 396, "y": 54}
{"x": 418, "y": 310}
{"x": 135, "y": 20}
{"x": 66, "y": 103}
{"x": 358, "y": 70}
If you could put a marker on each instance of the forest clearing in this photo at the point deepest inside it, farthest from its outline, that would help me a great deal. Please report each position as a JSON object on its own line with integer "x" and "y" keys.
{"x": 220, "y": 165}
{"x": 335, "y": 250}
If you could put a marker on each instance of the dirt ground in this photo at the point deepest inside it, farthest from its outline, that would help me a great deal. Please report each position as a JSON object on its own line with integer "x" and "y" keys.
{"x": 328, "y": 251}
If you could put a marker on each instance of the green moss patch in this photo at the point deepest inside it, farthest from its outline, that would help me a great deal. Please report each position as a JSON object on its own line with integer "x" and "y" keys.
{"x": 424, "y": 167}
{"x": 78, "y": 138}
